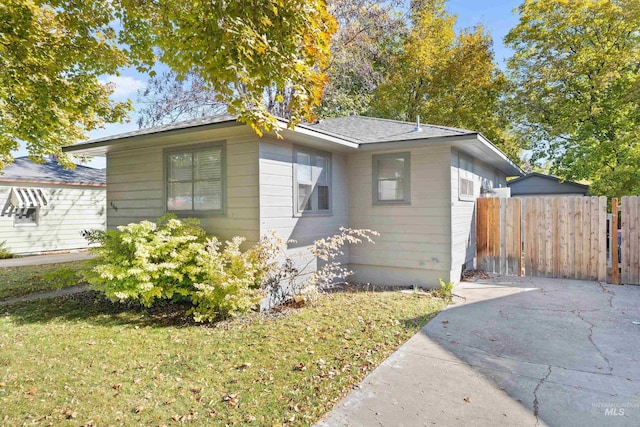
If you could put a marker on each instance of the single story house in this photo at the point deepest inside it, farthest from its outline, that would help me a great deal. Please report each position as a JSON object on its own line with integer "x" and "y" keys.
{"x": 44, "y": 207}
{"x": 540, "y": 185}
{"x": 415, "y": 185}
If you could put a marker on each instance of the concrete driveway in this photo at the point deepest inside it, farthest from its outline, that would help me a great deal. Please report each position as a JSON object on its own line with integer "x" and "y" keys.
{"x": 519, "y": 351}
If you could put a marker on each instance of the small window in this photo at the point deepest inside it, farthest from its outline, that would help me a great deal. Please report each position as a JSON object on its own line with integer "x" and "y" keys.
{"x": 312, "y": 181}
{"x": 466, "y": 183}
{"x": 391, "y": 179}
{"x": 25, "y": 217}
{"x": 196, "y": 180}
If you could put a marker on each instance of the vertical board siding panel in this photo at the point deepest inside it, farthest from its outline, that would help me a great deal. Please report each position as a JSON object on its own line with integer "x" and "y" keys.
{"x": 571, "y": 228}
{"x": 613, "y": 235}
{"x": 633, "y": 253}
{"x": 502, "y": 203}
{"x": 625, "y": 240}
{"x": 542, "y": 243}
{"x": 481, "y": 233}
{"x": 556, "y": 238}
{"x": 586, "y": 235}
{"x": 533, "y": 219}
{"x": 634, "y": 261}
{"x": 562, "y": 231}
{"x": 495, "y": 231}
{"x": 490, "y": 236}
{"x": 509, "y": 236}
{"x": 548, "y": 233}
{"x": 517, "y": 232}
{"x": 593, "y": 253}
{"x": 528, "y": 238}
{"x": 578, "y": 235}
{"x": 602, "y": 239}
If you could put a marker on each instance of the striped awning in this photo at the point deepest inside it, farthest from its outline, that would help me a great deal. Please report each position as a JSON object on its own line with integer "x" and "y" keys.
{"x": 28, "y": 198}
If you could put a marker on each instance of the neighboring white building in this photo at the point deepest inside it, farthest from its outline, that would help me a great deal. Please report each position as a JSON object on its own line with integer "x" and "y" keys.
{"x": 44, "y": 207}
{"x": 416, "y": 187}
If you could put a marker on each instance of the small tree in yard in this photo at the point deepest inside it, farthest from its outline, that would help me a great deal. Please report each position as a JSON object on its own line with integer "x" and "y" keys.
{"x": 173, "y": 259}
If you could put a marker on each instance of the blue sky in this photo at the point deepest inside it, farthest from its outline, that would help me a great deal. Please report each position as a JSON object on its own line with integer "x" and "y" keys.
{"x": 496, "y": 15}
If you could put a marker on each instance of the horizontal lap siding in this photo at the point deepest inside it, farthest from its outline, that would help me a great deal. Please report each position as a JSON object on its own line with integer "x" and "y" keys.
{"x": 463, "y": 213}
{"x": 71, "y": 209}
{"x": 135, "y": 186}
{"x": 276, "y": 198}
{"x": 414, "y": 242}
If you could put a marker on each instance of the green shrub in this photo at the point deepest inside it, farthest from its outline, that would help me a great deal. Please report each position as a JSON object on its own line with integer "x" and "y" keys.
{"x": 446, "y": 290}
{"x": 4, "y": 252}
{"x": 173, "y": 259}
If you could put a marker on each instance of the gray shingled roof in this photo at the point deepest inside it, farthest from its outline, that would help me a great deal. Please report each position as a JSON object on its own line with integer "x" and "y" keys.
{"x": 356, "y": 129}
{"x": 200, "y": 121}
{"x": 23, "y": 169}
{"x": 365, "y": 130}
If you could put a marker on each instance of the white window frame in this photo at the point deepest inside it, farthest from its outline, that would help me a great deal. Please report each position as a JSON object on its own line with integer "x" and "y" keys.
{"x": 18, "y": 213}
{"x": 315, "y": 182}
{"x": 466, "y": 178}
{"x": 193, "y": 149}
{"x": 406, "y": 176}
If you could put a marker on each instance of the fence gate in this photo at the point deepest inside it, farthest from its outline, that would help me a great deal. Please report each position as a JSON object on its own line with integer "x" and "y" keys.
{"x": 544, "y": 236}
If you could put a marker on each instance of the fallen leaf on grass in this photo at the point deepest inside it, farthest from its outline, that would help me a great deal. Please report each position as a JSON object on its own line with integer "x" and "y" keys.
{"x": 300, "y": 367}
{"x": 116, "y": 386}
{"x": 32, "y": 390}
{"x": 69, "y": 413}
{"x": 244, "y": 365}
{"x": 138, "y": 409}
{"x": 232, "y": 399}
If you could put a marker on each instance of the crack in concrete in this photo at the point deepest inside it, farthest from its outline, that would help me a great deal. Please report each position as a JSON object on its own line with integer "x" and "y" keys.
{"x": 609, "y": 291}
{"x": 591, "y": 326}
{"x": 536, "y": 402}
{"x": 442, "y": 340}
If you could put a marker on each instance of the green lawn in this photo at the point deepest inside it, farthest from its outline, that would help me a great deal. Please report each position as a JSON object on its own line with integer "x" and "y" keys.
{"x": 18, "y": 281}
{"x": 80, "y": 360}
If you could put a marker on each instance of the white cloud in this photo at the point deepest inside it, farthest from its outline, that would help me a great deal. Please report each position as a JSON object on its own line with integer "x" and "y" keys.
{"x": 125, "y": 86}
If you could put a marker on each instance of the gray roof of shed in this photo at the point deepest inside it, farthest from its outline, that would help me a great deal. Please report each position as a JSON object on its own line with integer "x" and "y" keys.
{"x": 23, "y": 169}
{"x": 552, "y": 185}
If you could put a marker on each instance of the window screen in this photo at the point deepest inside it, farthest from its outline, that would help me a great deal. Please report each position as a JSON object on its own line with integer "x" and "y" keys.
{"x": 195, "y": 180}
{"x": 312, "y": 181}
{"x": 391, "y": 178}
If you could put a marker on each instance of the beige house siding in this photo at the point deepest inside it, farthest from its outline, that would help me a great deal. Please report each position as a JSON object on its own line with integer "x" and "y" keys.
{"x": 136, "y": 184}
{"x": 463, "y": 212}
{"x": 414, "y": 243}
{"x": 71, "y": 209}
{"x": 277, "y": 198}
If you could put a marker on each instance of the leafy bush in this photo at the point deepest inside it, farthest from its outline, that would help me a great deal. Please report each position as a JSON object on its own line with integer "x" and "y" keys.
{"x": 446, "y": 290}
{"x": 4, "y": 252}
{"x": 173, "y": 259}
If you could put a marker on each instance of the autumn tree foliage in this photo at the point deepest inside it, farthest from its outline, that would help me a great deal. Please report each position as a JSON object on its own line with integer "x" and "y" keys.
{"x": 446, "y": 78}
{"x": 370, "y": 34}
{"x": 576, "y": 80}
{"x": 53, "y": 51}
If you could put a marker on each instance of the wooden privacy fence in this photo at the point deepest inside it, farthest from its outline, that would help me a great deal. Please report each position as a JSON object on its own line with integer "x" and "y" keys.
{"x": 564, "y": 237}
